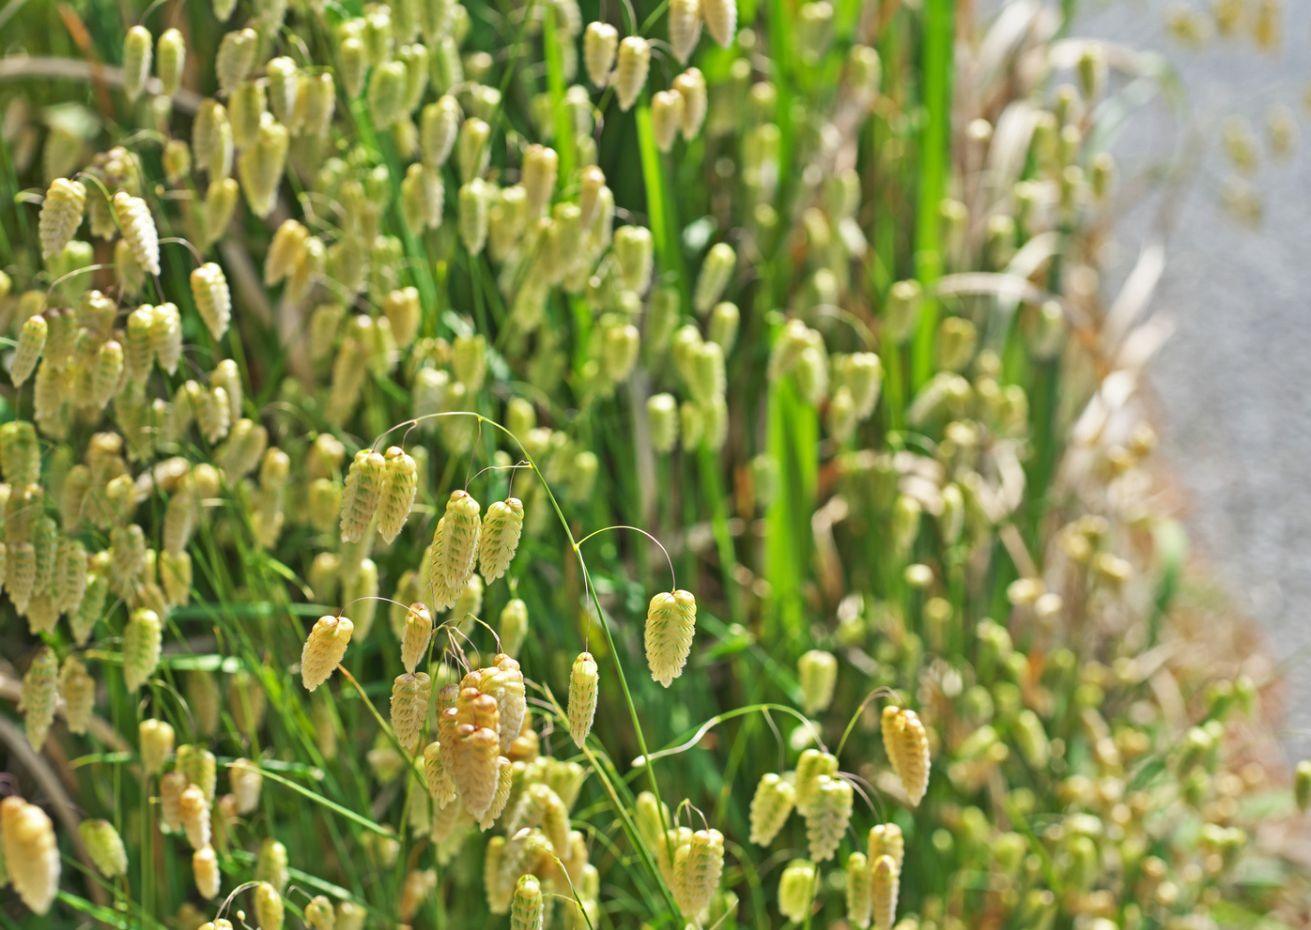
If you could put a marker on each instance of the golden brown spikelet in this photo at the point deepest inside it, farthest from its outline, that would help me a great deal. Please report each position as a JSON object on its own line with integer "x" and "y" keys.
{"x": 501, "y": 529}
{"x": 324, "y": 649}
{"x": 400, "y": 482}
{"x": 884, "y": 879}
{"x": 38, "y": 696}
{"x": 670, "y": 627}
{"x": 583, "y": 686}
{"x": 363, "y": 492}
{"x": 269, "y": 909}
{"x": 141, "y": 645}
{"x": 155, "y": 744}
{"x": 138, "y": 230}
{"x": 30, "y": 853}
{"x": 859, "y": 890}
{"x": 698, "y": 867}
{"x": 416, "y": 635}
{"x": 78, "y": 691}
{"x": 907, "y": 746}
{"x": 205, "y": 872}
{"x": 528, "y": 908}
{"x": 104, "y": 846}
{"x": 409, "y": 706}
{"x": 475, "y": 749}
{"x": 61, "y": 215}
{"x": 449, "y": 561}
{"x": 828, "y": 816}
{"x": 770, "y": 807}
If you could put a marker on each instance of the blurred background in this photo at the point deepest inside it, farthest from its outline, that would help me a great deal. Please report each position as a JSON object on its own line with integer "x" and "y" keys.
{"x": 1231, "y": 380}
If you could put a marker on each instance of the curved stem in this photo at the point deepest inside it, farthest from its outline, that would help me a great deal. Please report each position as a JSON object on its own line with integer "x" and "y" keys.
{"x": 673, "y": 579}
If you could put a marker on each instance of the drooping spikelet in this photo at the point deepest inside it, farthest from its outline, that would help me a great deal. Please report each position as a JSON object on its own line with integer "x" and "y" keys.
{"x": 528, "y": 909}
{"x": 600, "y": 42}
{"x": 698, "y": 867}
{"x": 437, "y": 775}
{"x": 886, "y": 839}
{"x": 324, "y": 649}
{"x": 61, "y": 215}
{"x": 884, "y": 879}
{"x": 171, "y": 786}
{"x": 796, "y": 890}
{"x": 209, "y": 289}
{"x": 409, "y": 707}
{"x": 504, "y": 786}
{"x": 513, "y": 625}
{"x": 583, "y": 681}
{"x": 400, "y": 482}
{"x": 205, "y": 872}
{"x": 670, "y": 627}
{"x": 907, "y": 746}
{"x": 260, "y": 167}
{"x": 194, "y": 811}
{"x": 475, "y": 748}
{"x": 20, "y": 456}
{"x": 813, "y": 765}
{"x": 828, "y": 816}
{"x": 137, "y": 49}
{"x": 268, "y": 907}
{"x": 502, "y": 526}
{"x": 319, "y": 914}
{"x": 416, "y": 635}
{"x": 104, "y": 846}
{"x": 38, "y": 696}
{"x": 31, "y": 343}
{"x": 449, "y": 561}
{"x": 271, "y": 864}
{"x": 721, "y": 20}
{"x": 684, "y": 27}
{"x": 141, "y": 643}
{"x": 666, "y": 117}
{"x": 78, "y": 691}
{"x": 504, "y": 681}
{"x": 155, "y": 743}
{"x": 691, "y": 86}
{"x": 859, "y": 890}
{"x": 247, "y": 782}
{"x": 818, "y": 673}
{"x": 170, "y": 61}
{"x": 138, "y": 229}
{"x": 631, "y": 70}
{"x": 364, "y": 486}
{"x": 30, "y": 853}
{"x": 770, "y": 807}
{"x": 200, "y": 767}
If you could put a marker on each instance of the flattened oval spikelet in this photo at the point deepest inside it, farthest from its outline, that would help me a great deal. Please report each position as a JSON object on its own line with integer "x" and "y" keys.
{"x": 449, "y": 561}
{"x": 61, "y": 215}
{"x": 583, "y": 686}
{"x": 359, "y": 501}
{"x": 884, "y": 879}
{"x": 400, "y": 482}
{"x": 770, "y": 806}
{"x": 501, "y": 530}
{"x": 670, "y": 627}
{"x": 30, "y": 852}
{"x": 138, "y": 228}
{"x": 324, "y": 649}
{"x": 907, "y": 745}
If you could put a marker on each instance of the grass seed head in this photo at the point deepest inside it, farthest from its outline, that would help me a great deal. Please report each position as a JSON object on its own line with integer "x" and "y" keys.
{"x": 61, "y": 215}
{"x": 409, "y": 706}
{"x": 670, "y": 627}
{"x": 796, "y": 890}
{"x": 631, "y": 69}
{"x": 827, "y": 817}
{"x": 138, "y": 229}
{"x": 502, "y": 528}
{"x": 142, "y": 638}
{"x": 400, "y": 483}
{"x": 205, "y": 872}
{"x": 31, "y": 343}
{"x": 194, "y": 811}
{"x": 450, "y": 559}
{"x": 269, "y": 909}
{"x": 818, "y": 673}
{"x": 31, "y": 853}
{"x": 78, "y": 690}
{"x": 907, "y": 746}
{"x": 583, "y": 682}
{"x": 859, "y": 890}
{"x": 324, "y": 649}
{"x": 771, "y": 805}
{"x": 104, "y": 846}
{"x": 885, "y": 879}
{"x": 528, "y": 908}
{"x": 600, "y": 43}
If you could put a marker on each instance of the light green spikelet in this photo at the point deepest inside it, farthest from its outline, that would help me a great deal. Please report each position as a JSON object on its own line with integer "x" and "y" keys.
{"x": 528, "y": 908}
{"x": 670, "y": 628}
{"x": 885, "y": 877}
{"x": 450, "y": 558}
{"x": 31, "y": 343}
{"x": 813, "y": 765}
{"x": 363, "y": 493}
{"x": 859, "y": 890}
{"x": 77, "y": 689}
{"x": 501, "y": 530}
{"x": 400, "y": 483}
{"x": 513, "y": 625}
{"x": 141, "y": 644}
{"x": 818, "y": 672}
{"x": 170, "y": 61}
{"x": 138, "y": 230}
{"x": 37, "y": 698}
{"x": 137, "y": 50}
{"x": 827, "y": 817}
{"x": 324, "y": 649}
{"x": 104, "y": 846}
{"x": 209, "y": 290}
{"x": 770, "y": 807}
{"x": 796, "y": 890}
{"x": 584, "y": 679}
{"x": 61, "y": 215}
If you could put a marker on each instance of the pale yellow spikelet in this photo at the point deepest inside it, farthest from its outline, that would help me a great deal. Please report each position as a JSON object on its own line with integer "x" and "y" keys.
{"x": 269, "y": 909}
{"x": 504, "y": 681}
{"x": 600, "y": 43}
{"x": 61, "y": 215}
{"x": 886, "y": 839}
{"x": 205, "y": 872}
{"x": 166, "y": 336}
{"x": 171, "y": 786}
{"x": 409, "y": 706}
{"x": 528, "y": 909}
{"x": 631, "y": 70}
{"x": 138, "y": 47}
{"x": 670, "y": 627}
{"x": 540, "y": 166}
{"x": 209, "y": 290}
{"x": 666, "y": 117}
{"x": 170, "y": 61}
{"x": 247, "y": 782}
{"x": 884, "y": 880}
{"x": 31, "y": 343}
{"x": 504, "y": 787}
{"x": 436, "y": 774}
{"x": 859, "y": 890}
{"x": 450, "y": 558}
{"x": 271, "y": 864}
{"x": 138, "y": 230}
{"x": 400, "y": 483}
{"x": 285, "y": 250}
{"x": 418, "y": 887}
{"x": 684, "y": 27}
{"x": 324, "y": 649}
{"x": 260, "y": 167}
{"x": 501, "y": 529}
{"x": 827, "y": 817}
{"x": 907, "y": 746}
{"x": 813, "y": 765}
{"x": 31, "y": 853}
{"x": 319, "y": 914}
{"x": 200, "y": 767}
{"x": 583, "y": 682}
{"x": 193, "y": 808}
{"x": 817, "y": 672}
{"x": 475, "y": 749}
{"x": 350, "y": 916}
{"x": 698, "y": 867}
{"x": 155, "y": 744}
{"x": 104, "y": 846}
{"x": 364, "y": 487}
{"x": 771, "y": 806}
{"x": 38, "y": 696}
{"x": 142, "y": 638}
{"x": 416, "y": 635}
{"x": 235, "y": 58}
{"x": 721, "y": 20}
{"x": 796, "y": 890}
{"x": 78, "y": 690}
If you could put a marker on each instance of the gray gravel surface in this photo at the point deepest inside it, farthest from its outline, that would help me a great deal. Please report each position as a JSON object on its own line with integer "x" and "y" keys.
{"x": 1232, "y": 384}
